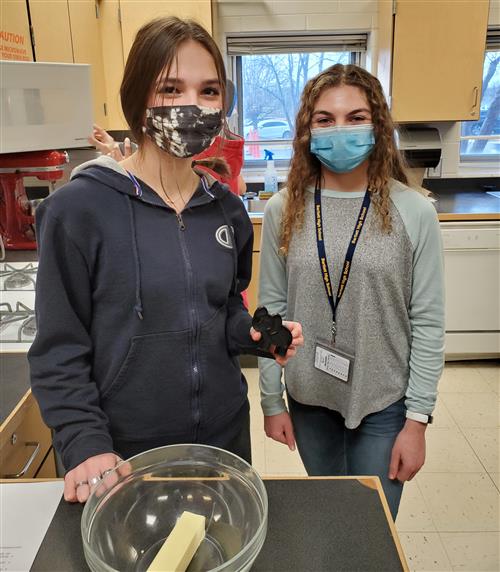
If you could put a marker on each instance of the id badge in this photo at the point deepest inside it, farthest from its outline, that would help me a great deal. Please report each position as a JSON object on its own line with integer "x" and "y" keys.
{"x": 333, "y": 361}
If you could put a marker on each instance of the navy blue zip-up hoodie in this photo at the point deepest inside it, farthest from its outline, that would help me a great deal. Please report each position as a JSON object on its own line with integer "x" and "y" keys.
{"x": 139, "y": 314}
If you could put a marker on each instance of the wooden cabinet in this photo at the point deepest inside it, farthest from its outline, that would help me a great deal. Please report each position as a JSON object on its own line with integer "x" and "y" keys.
{"x": 46, "y": 17}
{"x": 431, "y": 58}
{"x": 15, "y": 41}
{"x": 112, "y": 61}
{"x": 122, "y": 19}
{"x": 135, "y": 13}
{"x": 47, "y": 469}
{"x": 25, "y": 443}
{"x": 253, "y": 288}
{"x": 86, "y": 38}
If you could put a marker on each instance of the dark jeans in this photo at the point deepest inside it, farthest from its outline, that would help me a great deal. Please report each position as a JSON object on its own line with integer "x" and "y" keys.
{"x": 328, "y": 448}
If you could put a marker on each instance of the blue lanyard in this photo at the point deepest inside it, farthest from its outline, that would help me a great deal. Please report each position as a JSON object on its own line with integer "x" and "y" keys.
{"x": 323, "y": 262}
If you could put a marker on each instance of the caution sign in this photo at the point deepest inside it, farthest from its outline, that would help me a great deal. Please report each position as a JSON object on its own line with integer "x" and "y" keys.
{"x": 15, "y": 40}
{"x": 13, "y": 46}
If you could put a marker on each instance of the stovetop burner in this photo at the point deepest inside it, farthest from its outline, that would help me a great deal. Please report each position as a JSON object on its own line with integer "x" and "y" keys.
{"x": 18, "y": 276}
{"x": 17, "y": 324}
{"x": 17, "y": 300}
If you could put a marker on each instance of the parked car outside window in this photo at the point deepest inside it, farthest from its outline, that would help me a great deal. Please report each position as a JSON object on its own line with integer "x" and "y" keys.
{"x": 273, "y": 129}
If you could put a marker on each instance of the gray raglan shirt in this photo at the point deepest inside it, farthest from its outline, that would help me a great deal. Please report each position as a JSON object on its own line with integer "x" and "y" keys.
{"x": 391, "y": 316}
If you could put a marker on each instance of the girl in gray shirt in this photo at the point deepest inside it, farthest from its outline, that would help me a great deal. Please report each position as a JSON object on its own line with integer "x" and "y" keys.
{"x": 354, "y": 254}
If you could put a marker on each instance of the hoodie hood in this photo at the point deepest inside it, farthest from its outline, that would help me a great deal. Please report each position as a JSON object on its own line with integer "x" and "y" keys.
{"x": 102, "y": 161}
{"x": 111, "y": 174}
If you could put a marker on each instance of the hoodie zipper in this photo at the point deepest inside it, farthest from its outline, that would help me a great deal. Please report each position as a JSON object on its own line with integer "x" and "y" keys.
{"x": 180, "y": 220}
{"x": 194, "y": 323}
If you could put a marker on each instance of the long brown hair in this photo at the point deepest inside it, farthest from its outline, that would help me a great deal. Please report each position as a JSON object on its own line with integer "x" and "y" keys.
{"x": 154, "y": 50}
{"x": 385, "y": 161}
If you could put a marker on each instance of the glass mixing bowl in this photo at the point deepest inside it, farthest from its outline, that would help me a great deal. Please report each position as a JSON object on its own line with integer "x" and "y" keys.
{"x": 128, "y": 516}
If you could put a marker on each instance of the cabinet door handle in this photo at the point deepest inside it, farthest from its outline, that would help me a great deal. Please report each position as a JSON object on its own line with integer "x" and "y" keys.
{"x": 29, "y": 462}
{"x": 475, "y": 91}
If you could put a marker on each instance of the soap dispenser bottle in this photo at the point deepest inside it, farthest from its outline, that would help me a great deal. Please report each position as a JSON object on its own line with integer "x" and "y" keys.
{"x": 271, "y": 175}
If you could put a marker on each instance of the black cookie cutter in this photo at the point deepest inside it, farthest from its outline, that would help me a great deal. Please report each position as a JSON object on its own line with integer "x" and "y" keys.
{"x": 274, "y": 333}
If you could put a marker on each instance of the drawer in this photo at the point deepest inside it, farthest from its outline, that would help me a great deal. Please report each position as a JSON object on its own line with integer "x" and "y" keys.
{"x": 471, "y": 236}
{"x": 48, "y": 468}
{"x": 24, "y": 440}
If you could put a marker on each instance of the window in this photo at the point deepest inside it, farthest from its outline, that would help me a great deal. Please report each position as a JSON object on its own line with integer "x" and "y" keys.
{"x": 270, "y": 76}
{"x": 480, "y": 140}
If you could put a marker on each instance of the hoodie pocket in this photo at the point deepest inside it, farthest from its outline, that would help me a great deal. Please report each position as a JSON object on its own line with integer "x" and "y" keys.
{"x": 224, "y": 388}
{"x": 151, "y": 395}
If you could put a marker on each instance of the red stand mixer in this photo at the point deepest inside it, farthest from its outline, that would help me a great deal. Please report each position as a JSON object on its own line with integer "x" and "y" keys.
{"x": 16, "y": 212}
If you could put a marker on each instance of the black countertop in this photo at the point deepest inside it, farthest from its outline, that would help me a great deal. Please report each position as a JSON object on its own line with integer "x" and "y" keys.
{"x": 465, "y": 204}
{"x": 314, "y": 525}
{"x": 458, "y": 199}
{"x": 14, "y": 382}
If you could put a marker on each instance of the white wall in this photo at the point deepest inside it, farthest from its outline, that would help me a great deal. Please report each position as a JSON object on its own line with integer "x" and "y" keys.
{"x": 344, "y": 15}
{"x": 272, "y": 15}
{"x": 284, "y": 15}
{"x": 494, "y": 15}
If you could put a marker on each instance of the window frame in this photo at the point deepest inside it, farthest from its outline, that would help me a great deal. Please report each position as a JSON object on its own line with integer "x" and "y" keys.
{"x": 317, "y": 42}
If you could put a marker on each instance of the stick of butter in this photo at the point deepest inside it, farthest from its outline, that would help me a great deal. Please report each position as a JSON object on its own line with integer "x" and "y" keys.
{"x": 180, "y": 545}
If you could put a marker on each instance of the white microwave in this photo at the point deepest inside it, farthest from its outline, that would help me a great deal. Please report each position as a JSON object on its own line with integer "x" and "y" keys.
{"x": 44, "y": 106}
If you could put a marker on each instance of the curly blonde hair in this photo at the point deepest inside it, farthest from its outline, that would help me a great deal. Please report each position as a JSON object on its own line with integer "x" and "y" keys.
{"x": 385, "y": 161}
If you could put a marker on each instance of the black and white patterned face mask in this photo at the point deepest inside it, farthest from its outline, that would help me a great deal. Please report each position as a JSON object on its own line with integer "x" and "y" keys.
{"x": 183, "y": 130}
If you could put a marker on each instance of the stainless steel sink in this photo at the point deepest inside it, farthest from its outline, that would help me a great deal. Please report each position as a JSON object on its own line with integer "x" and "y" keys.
{"x": 255, "y": 205}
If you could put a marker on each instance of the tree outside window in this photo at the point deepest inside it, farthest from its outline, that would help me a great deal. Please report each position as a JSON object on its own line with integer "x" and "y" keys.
{"x": 271, "y": 85}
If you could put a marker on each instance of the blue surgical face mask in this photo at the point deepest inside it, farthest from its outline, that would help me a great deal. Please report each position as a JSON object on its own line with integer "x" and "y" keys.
{"x": 342, "y": 148}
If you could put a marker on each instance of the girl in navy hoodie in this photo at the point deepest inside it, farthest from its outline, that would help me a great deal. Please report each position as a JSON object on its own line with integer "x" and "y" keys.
{"x": 141, "y": 268}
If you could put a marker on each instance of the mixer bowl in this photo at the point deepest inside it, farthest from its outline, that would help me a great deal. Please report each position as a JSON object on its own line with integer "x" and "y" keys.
{"x": 128, "y": 516}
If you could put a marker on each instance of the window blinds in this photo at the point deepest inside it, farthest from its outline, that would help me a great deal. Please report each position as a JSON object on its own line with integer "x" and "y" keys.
{"x": 493, "y": 39}
{"x": 282, "y": 43}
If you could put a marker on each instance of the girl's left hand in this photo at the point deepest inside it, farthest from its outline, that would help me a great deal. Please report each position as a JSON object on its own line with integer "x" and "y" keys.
{"x": 408, "y": 452}
{"x": 297, "y": 340}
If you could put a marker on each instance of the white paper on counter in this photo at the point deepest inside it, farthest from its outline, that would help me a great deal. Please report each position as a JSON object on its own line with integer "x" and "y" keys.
{"x": 26, "y": 511}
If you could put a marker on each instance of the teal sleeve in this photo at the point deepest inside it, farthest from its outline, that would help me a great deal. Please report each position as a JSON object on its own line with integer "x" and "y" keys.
{"x": 426, "y": 310}
{"x": 272, "y": 295}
